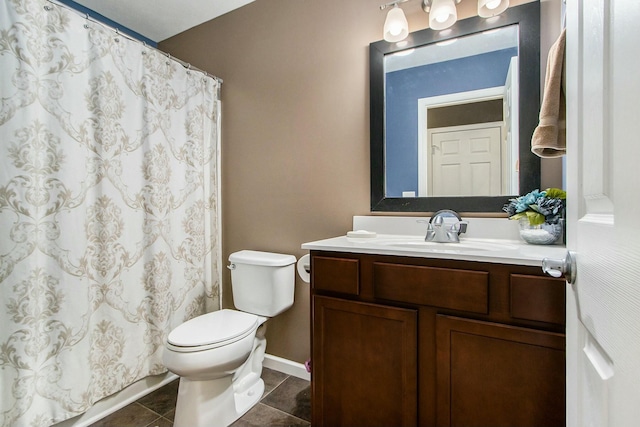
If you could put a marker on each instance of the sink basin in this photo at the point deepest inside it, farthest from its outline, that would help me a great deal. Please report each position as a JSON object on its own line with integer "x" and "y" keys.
{"x": 465, "y": 245}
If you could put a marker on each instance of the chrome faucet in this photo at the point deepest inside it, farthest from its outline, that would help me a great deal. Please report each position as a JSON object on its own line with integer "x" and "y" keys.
{"x": 442, "y": 231}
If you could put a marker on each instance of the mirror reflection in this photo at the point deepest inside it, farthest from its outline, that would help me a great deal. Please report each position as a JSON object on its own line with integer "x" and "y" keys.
{"x": 438, "y": 147}
{"x": 451, "y": 117}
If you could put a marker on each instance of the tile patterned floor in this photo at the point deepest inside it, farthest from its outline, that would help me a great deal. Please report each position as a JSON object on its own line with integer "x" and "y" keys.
{"x": 286, "y": 402}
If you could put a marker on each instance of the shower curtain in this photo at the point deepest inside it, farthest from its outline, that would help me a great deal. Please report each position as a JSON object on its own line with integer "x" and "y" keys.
{"x": 109, "y": 225}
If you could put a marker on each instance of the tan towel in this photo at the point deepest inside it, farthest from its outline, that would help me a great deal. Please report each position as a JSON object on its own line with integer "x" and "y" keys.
{"x": 549, "y": 138}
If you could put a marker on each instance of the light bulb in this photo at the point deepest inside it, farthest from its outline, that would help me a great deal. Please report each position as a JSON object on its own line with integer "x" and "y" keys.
{"x": 442, "y": 17}
{"x": 443, "y": 14}
{"x": 396, "y": 27}
{"x": 489, "y": 8}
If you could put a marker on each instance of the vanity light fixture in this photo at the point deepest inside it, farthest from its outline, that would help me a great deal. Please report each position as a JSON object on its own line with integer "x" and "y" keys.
{"x": 396, "y": 27}
{"x": 489, "y": 8}
{"x": 442, "y": 15}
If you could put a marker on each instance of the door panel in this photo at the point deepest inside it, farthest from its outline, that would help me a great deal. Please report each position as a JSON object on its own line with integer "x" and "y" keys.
{"x": 498, "y": 375}
{"x": 511, "y": 156}
{"x": 603, "y": 306}
{"x": 364, "y": 364}
{"x": 466, "y": 162}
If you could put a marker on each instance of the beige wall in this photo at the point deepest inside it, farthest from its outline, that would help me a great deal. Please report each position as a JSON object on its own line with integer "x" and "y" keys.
{"x": 295, "y": 127}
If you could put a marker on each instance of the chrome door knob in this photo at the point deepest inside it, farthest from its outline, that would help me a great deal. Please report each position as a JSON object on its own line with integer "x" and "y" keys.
{"x": 558, "y": 267}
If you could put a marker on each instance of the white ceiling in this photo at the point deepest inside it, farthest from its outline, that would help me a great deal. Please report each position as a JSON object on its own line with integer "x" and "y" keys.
{"x": 160, "y": 19}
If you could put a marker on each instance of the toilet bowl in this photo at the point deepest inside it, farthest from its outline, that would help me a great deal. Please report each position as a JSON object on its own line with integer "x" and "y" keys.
{"x": 207, "y": 393}
{"x": 219, "y": 355}
{"x": 203, "y": 354}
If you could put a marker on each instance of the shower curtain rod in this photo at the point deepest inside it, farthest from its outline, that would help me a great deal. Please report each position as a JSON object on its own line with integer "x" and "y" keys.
{"x": 117, "y": 31}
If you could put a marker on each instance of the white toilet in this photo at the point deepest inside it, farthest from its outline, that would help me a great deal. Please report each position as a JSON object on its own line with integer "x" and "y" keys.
{"x": 219, "y": 355}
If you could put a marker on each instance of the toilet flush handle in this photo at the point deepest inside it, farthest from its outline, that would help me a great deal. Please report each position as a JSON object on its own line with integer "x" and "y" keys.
{"x": 231, "y": 266}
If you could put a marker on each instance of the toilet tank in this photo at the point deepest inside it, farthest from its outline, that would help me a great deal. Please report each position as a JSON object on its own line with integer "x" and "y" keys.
{"x": 262, "y": 282}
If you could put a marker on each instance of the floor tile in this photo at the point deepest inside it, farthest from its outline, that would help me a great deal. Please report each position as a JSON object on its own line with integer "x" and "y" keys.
{"x": 131, "y": 415}
{"x": 160, "y": 422}
{"x": 162, "y": 400}
{"x": 272, "y": 379}
{"x": 285, "y": 402}
{"x": 293, "y": 396}
{"x": 171, "y": 415}
{"x": 262, "y": 415}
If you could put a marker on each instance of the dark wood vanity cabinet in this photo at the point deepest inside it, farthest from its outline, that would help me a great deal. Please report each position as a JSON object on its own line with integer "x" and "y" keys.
{"x": 400, "y": 341}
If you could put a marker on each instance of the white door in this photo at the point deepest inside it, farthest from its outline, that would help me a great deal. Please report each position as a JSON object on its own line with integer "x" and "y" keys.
{"x": 603, "y": 183}
{"x": 465, "y": 160}
{"x": 511, "y": 156}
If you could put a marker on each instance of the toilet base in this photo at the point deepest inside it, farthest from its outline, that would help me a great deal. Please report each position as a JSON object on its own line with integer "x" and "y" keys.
{"x": 221, "y": 401}
{"x": 213, "y": 403}
{"x": 247, "y": 399}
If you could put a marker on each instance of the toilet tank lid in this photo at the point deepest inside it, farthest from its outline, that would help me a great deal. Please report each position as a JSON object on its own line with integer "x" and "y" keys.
{"x": 262, "y": 258}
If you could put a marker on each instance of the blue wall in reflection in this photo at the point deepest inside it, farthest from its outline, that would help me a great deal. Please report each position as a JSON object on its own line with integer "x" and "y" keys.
{"x": 404, "y": 88}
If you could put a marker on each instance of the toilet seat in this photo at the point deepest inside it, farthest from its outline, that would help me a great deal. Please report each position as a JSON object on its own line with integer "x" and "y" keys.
{"x": 212, "y": 330}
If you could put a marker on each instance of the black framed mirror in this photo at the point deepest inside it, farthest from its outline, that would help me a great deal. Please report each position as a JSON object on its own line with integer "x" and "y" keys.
{"x": 523, "y": 172}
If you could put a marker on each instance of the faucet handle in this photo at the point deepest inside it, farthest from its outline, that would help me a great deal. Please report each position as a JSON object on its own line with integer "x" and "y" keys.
{"x": 460, "y": 227}
{"x": 431, "y": 233}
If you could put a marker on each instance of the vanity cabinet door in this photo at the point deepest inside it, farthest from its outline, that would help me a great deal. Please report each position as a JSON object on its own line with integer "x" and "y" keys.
{"x": 490, "y": 374}
{"x": 364, "y": 364}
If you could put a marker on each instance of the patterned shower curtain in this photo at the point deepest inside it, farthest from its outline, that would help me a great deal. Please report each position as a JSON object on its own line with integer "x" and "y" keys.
{"x": 109, "y": 229}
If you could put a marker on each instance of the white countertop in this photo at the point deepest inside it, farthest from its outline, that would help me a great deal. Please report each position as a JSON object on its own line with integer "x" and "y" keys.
{"x": 500, "y": 251}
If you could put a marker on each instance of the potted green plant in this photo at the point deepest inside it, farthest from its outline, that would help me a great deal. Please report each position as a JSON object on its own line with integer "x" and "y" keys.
{"x": 540, "y": 215}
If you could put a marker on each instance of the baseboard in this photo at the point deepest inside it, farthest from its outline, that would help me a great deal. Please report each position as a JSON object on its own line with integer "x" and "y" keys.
{"x": 286, "y": 366}
{"x": 119, "y": 400}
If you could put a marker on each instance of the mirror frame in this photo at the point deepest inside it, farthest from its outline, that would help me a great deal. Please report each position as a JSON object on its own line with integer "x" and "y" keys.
{"x": 527, "y": 16}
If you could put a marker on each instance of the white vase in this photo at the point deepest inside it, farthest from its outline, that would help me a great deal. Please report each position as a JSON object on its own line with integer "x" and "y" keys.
{"x": 543, "y": 234}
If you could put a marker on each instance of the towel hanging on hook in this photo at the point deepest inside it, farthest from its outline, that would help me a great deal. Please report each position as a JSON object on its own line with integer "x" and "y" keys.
{"x": 549, "y": 138}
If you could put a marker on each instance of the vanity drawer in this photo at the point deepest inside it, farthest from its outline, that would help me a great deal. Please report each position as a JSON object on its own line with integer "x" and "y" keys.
{"x": 537, "y": 298}
{"x": 454, "y": 289}
{"x": 336, "y": 275}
